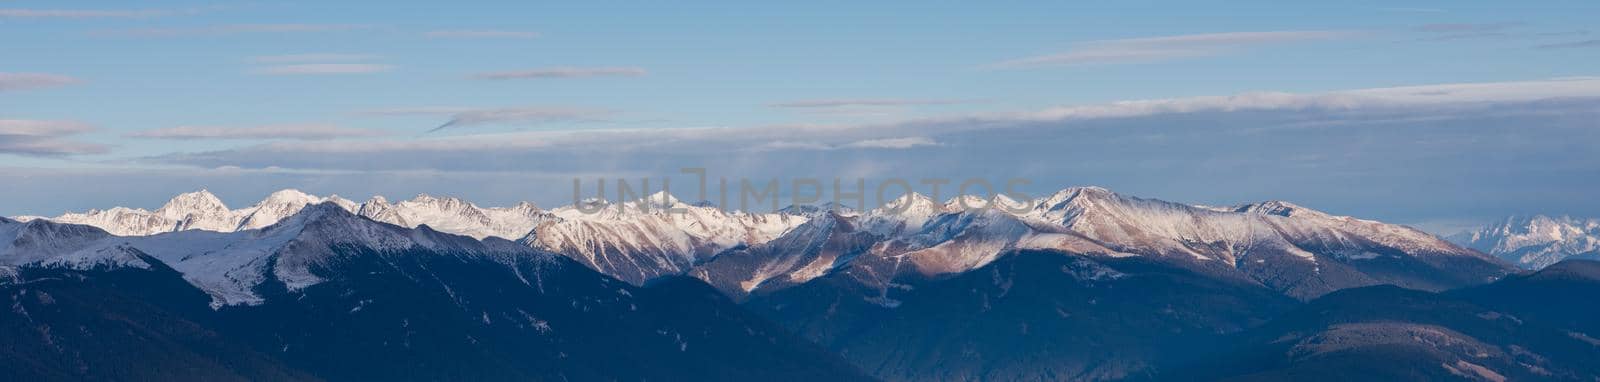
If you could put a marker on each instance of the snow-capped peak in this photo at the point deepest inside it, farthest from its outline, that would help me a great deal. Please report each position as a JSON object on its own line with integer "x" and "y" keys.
{"x": 1277, "y": 208}
{"x": 231, "y": 265}
{"x": 660, "y": 199}
{"x": 455, "y": 215}
{"x": 346, "y": 204}
{"x": 288, "y": 196}
{"x": 1536, "y": 241}
{"x": 275, "y": 207}
{"x": 905, "y": 214}
{"x": 202, "y": 202}
{"x": 198, "y": 210}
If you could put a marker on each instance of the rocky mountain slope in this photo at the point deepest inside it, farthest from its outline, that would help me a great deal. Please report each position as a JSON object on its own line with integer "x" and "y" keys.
{"x": 327, "y": 294}
{"x": 1537, "y": 326}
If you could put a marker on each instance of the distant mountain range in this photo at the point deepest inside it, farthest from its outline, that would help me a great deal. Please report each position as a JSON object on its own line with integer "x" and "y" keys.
{"x": 1536, "y": 241}
{"x": 1298, "y": 251}
{"x": 326, "y": 294}
{"x": 1083, "y": 284}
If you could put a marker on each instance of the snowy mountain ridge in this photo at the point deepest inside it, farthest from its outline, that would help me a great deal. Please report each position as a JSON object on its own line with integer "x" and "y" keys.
{"x": 231, "y": 265}
{"x": 1302, "y": 252}
{"x": 1536, "y": 241}
{"x": 201, "y": 210}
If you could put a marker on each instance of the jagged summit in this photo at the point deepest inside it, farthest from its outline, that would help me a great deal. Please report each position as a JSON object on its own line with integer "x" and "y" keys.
{"x": 1536, "y": 241}
{"x": 201, "y": 210}
{"x": 190, "y": 202}
{"x": 1277, "y": 208}
{"x": 230, "y": 265}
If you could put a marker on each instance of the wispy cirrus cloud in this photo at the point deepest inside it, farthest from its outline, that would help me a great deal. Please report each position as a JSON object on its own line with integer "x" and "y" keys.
{"x": 472, "y": 116}
{"x": 866, "y": 102}
{"x": 1465, "y": 31}
{"x": 88, "y": 13}
{"x": 1572, "y": 45}
{"x": 32, "y": 81}
{"x": 561, "y": 72}
{"x": 45, "y": 138}
{"x": 311, "y": 57}
{"x": 893, "y": 143}
{"x": 517, "y": 115}
{"x": 1426, "y": 103}
{"x": 1413, "y": 10}
{"x": 1510, "y": 142}
{"x": 310, "y": 131}
{"x": 1468, "y": 27}
{"x": 322, "y": 69}
{"x": 481, "y": 34}
{"x": 1164, "y": 48}
{"x": 226, "y": 30}
{"x": 897, "y": 143}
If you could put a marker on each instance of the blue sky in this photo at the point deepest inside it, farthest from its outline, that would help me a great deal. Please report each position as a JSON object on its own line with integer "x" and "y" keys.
{"x": 151, "y": 99}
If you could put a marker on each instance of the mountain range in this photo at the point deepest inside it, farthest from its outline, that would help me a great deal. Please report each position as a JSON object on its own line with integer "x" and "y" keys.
{"x": 1082, "y": 284}
{"x": 326, "y": 294}
{"x": 1295, "y": 250}
{"x": 1536, "y": 241}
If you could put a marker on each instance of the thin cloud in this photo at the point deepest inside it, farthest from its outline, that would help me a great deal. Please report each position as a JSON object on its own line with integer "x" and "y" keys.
{"x": 40, "y": 128}
{"x": 1468, "y": 27}
{"x": 226, "y": 30}
{"x": 1164, "y": 48}
{"x": 1413, "y": 10}
{"x": 881, "y": 143}
{"x": 564, "y": 72}
{"x": 1375, "y": 98}
{"x": 534, "y": 114}
{"x": 1446, "y": 134}
{"x": 1425, "y": 100}
{"x": 835, "y": 103}
{"x": 1571, "y": 45}
{"x": 311, "y": 58}
{"x": 415, "y": 111}
{"x": 1467, "y": 31}
{"x": 893, "y": 143}
{"x": 87, "y": 13}
{"x": 32, "y": 81}
{"x": 320, "y": 69}
{"x": 480, "y": 33}
{"x": 45, "y": 138}
{"x": 288, "y": 131}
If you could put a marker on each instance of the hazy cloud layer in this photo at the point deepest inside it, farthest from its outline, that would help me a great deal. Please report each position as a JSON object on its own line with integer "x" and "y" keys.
{"x": 226, "y": 29}
{"x": 563, "y": 72}
{"x": 1338, "y": 151}
{"x": 1468, "y": 27}
{"x": 1151, "y": 49}
{"x": 1500, "y": 30}
{"x": 30, "y": 81}
{"x": 289, "y": 131}
{"x": 514, "y": 115}
{"x": 45, "y": 138}
{"x": 482, "y": 33}
{"x": 1574, "y": 44}
{"x": 883, "y": 143}
{"x": 87, "y": 13}
{"x": 316, "y": 69}
{"x": 858, "y": 102}
{"x": 311, "y": 58}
